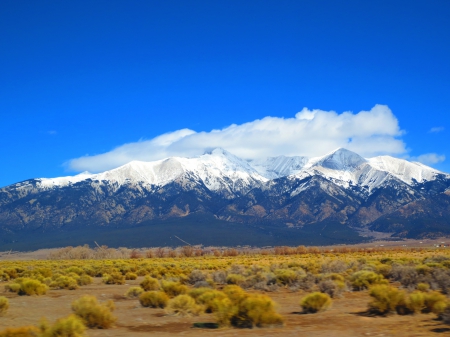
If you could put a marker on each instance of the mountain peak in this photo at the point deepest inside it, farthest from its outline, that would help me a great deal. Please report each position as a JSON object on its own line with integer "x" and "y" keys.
{"x": 340, "y": 159}
{"x": 217, "y": 151}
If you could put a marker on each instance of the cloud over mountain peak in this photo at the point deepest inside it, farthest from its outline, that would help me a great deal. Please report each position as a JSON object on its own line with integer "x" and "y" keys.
{"x": 309, "y": 133}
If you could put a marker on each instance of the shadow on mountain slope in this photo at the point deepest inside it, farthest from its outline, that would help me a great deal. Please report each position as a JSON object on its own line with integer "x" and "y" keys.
{"x": 195, "y": 229}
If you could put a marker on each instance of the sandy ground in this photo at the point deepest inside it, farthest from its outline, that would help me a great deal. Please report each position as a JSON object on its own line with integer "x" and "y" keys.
{"x": 345, "y": 318}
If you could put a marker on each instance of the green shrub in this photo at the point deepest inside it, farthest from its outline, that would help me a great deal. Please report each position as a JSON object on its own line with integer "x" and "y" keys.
{"x": 27, "y": 331}
{"x": 4, "y": 305}
{"x": 71, "y": 326}
{"x": 386, "y": 299}
{"x": 134, "y": 292}
{"x": 154, "y": 299}
{"x": 173, "y": 289}
{"x": 149, "y": 283}
{"x": 315, "y": 302}
{"x": 183, "y": 305}
{"x": 363, "y": 279}
{"x": 113, "y": 278}
{"x": 93, "y": 314}
{"x": 130, "y": 276}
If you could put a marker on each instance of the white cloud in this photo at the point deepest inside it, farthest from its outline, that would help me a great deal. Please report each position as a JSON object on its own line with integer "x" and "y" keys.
{"x": 429, "y": 158}
{"x": 436, "y": 129}
{"x": 310, "y": 133}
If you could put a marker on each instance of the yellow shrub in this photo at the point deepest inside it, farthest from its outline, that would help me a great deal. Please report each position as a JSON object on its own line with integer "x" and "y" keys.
{"x": 286, "y": 276}
{"x": 149, "y": 283}
{"x": 235, "y": 279}
{"x": 364, "y": 279}
{"x": 71, "y": 326}
{"x": 27, "y": 331}
{"x": 134, "y": 292}
{"x": 4, "y": 305}
{"x": 154, "y": 299}
{"x": 183, "y": 305}
{"x": 31, "y": 287}
{"x": 315, "y": 302}
{"x": 93, "y": 314}
{"x": 197, "y": 292}
{"x": 257, "y": 310}
{"x": 173, "y": 288}
{"x": 235, "y": 293}
{"x": 224, "y": 310}
{"x": 385, "y": 299}
{"x": 241, "y": 309}
{"x": 416, "y": 301}
{"x": 130, "y": 276}
{"x": 113, "y": 278}
{"x": 435, "y": 302}
{"x": 64, "y": 282}
{"x": 423, "y": 287}
{"x": 74, "y": 269}
{"x": 207, "y": 299}
{"x": 84, "y": 280}
{"x": 13, "y": 287}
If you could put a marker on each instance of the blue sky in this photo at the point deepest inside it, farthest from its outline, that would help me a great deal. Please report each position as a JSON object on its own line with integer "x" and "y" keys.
{"x": 83, "y": 78}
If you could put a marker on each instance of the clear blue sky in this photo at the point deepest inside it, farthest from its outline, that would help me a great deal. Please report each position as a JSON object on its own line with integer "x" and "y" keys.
{"x": 83, "y": 77}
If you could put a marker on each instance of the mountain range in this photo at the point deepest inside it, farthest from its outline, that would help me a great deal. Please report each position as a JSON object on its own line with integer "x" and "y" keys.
{"x": 218, "y": 198}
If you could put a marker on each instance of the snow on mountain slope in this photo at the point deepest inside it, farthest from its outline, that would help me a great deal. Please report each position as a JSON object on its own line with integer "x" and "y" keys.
{"x": 217, "y": 169}
{"x": 64, "y": 181}
{"x": 347, "y": 168}
{"x": 339, "y": 159}
{"x": 281, "y": 166}
{"x": 404, "y": 170}
{"x": 343, "y": 167}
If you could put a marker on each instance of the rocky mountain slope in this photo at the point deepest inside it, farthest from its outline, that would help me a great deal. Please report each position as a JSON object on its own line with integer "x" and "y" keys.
{"x": 383, "y": 193}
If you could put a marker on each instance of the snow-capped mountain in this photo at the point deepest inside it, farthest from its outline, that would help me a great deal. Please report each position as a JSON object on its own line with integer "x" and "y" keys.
{"x": 220, "y": 170}
{"x": 347, "y": 168}
{"x": 277, "y": 167}
{"x": 339, "y": 187}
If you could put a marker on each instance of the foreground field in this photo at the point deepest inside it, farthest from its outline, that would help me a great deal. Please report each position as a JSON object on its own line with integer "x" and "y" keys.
{"x": 286, "y": 279}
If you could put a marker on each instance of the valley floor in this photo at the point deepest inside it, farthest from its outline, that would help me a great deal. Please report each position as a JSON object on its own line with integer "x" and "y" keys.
{"x": 346, "y": 317}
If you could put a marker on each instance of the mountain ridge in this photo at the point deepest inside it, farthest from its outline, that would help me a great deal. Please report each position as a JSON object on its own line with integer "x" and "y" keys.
{"x": 280, "y": 192}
